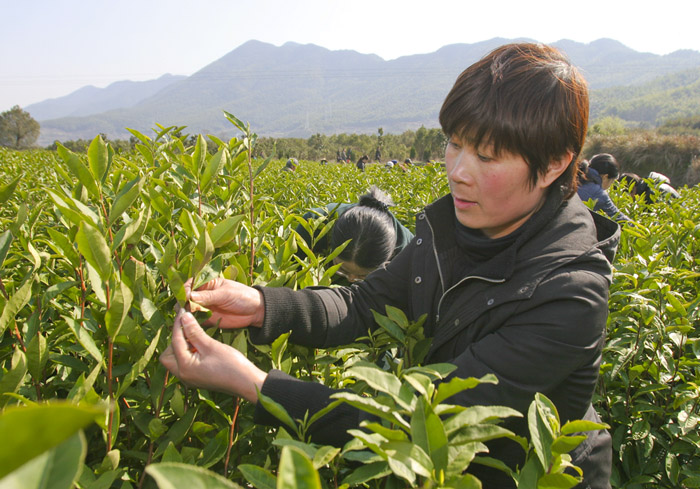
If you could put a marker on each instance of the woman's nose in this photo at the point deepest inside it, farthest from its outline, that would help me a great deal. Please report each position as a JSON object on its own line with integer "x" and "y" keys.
{"x": 461, "y": 168}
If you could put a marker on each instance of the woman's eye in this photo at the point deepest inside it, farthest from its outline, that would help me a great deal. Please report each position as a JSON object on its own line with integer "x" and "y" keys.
{"x": 484, "y": 158}
{"x": 453, "y": 144}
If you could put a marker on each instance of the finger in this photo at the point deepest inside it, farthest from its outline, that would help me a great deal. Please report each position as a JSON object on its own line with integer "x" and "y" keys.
{"x": 179, "y": 342}
{"x": 188, "y": 288}
{"x": 194, "y": 334}
{"x": 167, "y": 358}
{"x": 207, "y": 297}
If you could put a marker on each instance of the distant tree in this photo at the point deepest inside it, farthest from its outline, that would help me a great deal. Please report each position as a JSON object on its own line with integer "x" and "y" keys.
{"x": 609, "y": 126}
{"x": 18, "y": 129}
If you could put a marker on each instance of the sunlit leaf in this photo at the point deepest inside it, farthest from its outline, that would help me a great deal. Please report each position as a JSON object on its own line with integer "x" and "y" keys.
{"x": 172, "y": 475}
{"x": 29, "y": 431}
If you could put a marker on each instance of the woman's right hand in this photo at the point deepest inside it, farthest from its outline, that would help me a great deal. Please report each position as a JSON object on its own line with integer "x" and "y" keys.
{"x": 232, "y": 304}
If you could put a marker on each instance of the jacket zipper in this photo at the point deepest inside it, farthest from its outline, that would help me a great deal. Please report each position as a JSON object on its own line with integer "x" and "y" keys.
{"x": 442, "y": 281}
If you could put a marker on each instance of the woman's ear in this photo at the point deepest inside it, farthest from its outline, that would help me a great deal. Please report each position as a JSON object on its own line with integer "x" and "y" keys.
{"x": 555, "y": 169}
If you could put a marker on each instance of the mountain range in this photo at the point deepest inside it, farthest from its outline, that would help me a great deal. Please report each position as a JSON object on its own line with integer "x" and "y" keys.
{"x": 297, "y": 90}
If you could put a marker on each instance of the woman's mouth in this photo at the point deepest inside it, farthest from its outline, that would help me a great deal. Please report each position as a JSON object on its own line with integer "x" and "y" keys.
{"x": 462, "y": 203}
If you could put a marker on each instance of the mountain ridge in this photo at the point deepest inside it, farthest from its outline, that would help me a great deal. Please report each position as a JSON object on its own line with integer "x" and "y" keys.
{"x": 296, "y": 90}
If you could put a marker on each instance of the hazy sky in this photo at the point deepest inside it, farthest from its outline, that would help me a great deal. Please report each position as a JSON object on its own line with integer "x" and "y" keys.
{"x": 49, "y": 48}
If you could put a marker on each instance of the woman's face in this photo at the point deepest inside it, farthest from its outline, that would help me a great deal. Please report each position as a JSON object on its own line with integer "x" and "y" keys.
{"x": 606, "y": 182}
{"x": 351, "y": 271}
{"x": 492, "y": 193}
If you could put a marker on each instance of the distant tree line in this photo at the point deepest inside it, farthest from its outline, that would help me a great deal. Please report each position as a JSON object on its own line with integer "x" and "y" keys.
{"x": 420, "y": 145}
{"x": 672, "y": 149}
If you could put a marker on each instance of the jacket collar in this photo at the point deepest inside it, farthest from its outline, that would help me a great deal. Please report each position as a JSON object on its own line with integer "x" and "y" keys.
{"x": 565, "y": 231}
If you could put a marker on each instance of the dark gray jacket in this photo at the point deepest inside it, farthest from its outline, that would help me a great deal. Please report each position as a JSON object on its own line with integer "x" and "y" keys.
{"x": 534, "y": 315}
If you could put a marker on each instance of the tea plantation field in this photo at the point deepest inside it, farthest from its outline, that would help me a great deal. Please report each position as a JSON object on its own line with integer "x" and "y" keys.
{"x": 94, "y": 250}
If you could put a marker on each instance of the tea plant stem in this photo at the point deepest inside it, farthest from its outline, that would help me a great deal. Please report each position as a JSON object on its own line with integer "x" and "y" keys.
{"x": 111, "y": 395}
{"x": 110, "y": 348}
{"x": 148, "y": 462}
{"x": 252, "y": 213}
{"x": 2, "y": 288}
{"x": 232, "y": 431}
{"x": 151, "y": 445}
{"x": 19, "y": 338}
{"x": 83, "y": 291}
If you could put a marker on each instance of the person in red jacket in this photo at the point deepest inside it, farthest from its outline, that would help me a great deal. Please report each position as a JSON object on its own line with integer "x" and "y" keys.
{"x": 510, "y": 268}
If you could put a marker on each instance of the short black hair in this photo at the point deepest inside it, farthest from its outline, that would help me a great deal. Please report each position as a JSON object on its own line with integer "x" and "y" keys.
{"x": 522, "y": 98}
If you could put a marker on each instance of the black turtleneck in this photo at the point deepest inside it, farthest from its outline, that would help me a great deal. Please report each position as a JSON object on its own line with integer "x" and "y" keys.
{"x": 478, "y": 249}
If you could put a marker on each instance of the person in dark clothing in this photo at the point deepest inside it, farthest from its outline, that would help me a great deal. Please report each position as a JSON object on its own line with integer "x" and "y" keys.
{"x": 511, "y": 269}
{"x": 362, "y": 162}
{"x": 596, "y": 177}
{"x": 375, "y": 235}
{"x": 636, "y": 186}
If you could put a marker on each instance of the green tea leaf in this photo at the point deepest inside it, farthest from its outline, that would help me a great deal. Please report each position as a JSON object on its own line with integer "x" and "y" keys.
{"x": 276, "y": 410}
{"x": 258, "y": 477}
{"x": 84, "y": 384}
{"x": 479, "y": 414}
{"x": 173, "y": 475}
{"x": 18, "y": 300}
{"x": 540, "y": 420}
{"x": 119, "y": 307}
{"x": 376, "y": 378}
{"x": 225, "y": 231}
{"x": 177, "y": 431}
{"x": 448, "y": 389}
{"x": 37, "y": 356}
{"x": 296, "y": 471}
{"x": 56, "y": 468}
{"x": 202, "y": 253}
{"x": 212, "y": 169}
{"x": 125, "y": 198}
{"x": 557, "y": 481}
{"x": 366, "y": 472}
{"x": 98, "y": 158}
{"x": 139, "y": 365}
{"x": 564, "y": 444}
{"x": 93, "y": 246}
{"x": 29, "y": 431}
{"x": 578, "y": 426}
{"x": 12, "y": 380}
{"x": 7, "y": 190}
{"x": 81, "y": 172}
{"x": 64, "y": 246}
{"x": 389, "y": 326}
{"x": 5, "y": 242}
{"x": 84, "y": 338}
{"x": 428, "y": 432}
{"x": 199, "y": 156}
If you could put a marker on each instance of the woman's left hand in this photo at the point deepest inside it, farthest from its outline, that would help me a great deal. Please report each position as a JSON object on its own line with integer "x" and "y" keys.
{"x": 201, "y": 361}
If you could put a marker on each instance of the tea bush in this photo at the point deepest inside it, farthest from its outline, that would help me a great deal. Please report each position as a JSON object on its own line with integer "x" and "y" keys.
{"x": 94, "y": 251}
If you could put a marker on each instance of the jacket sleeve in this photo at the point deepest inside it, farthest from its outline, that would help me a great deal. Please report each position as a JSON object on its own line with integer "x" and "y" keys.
{"x": 324, "y": 317}
{"x": 608, "y": 206}
{"x": 300, "y": 397}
